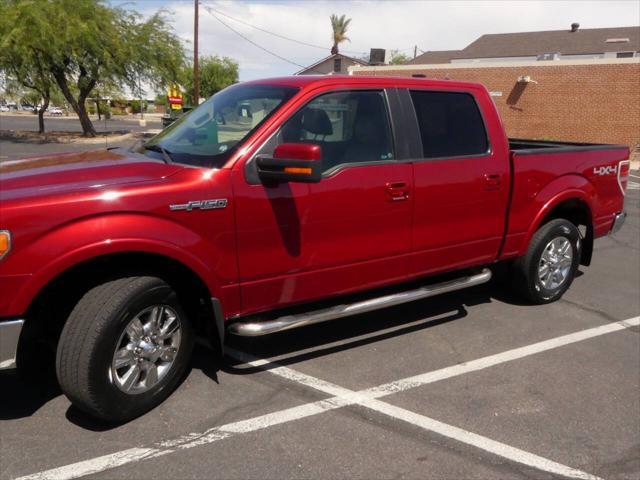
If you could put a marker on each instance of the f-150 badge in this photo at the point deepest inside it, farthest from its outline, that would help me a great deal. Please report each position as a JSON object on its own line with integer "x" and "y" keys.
{"x": 200, "y": 204}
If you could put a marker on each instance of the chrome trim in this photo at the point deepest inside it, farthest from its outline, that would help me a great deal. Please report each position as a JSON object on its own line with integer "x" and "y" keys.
{"x": 623, "y": 162}
{"x": 212, "y": 204}
{"x": 147, "y": 350}
{"x": 288, "y": 322}
{"x": 555, "y": 263}
{"x": 618, "y": 221}
{"x": 9, "y": 337}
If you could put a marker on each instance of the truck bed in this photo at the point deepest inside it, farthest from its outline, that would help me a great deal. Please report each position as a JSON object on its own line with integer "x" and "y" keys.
{"x": 542, "y": 170}
{"x": 524, "y": 146}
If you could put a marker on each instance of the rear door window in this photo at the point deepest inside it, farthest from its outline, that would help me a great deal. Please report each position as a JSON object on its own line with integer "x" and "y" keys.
{"x": 450, "y": 124}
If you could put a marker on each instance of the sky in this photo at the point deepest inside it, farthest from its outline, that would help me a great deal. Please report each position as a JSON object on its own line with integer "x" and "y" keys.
{"x": 388, "y": 24}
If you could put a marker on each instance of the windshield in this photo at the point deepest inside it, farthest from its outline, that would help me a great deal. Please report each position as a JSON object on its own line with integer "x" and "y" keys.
{"x": 208, "y": 135}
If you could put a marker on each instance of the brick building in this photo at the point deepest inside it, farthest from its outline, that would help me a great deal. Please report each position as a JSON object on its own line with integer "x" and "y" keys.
{"x": 575, "y": 85}
{"x": 585, "y": 101}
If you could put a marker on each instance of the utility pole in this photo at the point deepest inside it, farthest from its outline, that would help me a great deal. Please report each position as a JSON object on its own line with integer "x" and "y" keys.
{"x": 143, "y": 122}
{"x": 196, "y": 73}
{"x": 415, "y": 51}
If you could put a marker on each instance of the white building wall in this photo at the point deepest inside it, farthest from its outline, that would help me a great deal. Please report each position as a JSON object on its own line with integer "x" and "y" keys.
{"x": 588, "y": 56}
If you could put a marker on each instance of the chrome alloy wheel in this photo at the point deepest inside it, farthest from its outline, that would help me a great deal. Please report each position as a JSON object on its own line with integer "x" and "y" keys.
{"x": 146, "y": 350}
{"x": 555, "y": 263}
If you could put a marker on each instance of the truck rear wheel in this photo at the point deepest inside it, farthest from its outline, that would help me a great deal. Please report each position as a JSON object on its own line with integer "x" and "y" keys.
{"x": 547, "y": 270}
{"x": 124, "y": 348}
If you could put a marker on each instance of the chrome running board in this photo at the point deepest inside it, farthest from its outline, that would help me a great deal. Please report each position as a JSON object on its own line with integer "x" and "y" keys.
{"x": 288, "y": 322}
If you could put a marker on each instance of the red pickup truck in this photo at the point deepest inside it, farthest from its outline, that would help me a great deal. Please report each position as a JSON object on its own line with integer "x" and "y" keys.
{"x": 276, "y": 204}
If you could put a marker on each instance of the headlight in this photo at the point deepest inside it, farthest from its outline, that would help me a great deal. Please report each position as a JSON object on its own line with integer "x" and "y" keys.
{"x": 5, "y": 243}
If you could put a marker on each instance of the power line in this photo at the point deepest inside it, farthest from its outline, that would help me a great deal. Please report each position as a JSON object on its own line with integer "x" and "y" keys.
{"x": 208, "y": 9}
{"x": 277, "y": 34}
{"x": 264, "y": 30}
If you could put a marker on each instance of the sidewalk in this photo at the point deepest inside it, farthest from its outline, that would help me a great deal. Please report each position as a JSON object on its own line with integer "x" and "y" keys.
{"x": 72, "y": 115}
{"x": 16, "y": 150}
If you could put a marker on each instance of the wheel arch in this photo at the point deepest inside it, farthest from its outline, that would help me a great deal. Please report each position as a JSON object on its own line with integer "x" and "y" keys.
{"x": 573, "y": 206}
{"x": 51, "y": 305}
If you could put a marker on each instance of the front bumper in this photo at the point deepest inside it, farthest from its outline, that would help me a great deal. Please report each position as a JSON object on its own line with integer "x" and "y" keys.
{"x": 9, "y": 336}
{"x": 618, "y": 221}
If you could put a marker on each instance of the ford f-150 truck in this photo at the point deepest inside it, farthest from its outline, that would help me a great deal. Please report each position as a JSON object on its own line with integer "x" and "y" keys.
{"x": 278, "y": 204}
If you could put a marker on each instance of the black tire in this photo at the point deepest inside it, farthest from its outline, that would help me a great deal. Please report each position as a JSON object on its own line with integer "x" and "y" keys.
{"x": 89, "y": 340}
{"x": 525, "y": 276}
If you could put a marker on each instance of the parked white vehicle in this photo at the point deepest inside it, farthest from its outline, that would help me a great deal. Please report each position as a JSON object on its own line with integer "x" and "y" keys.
{"x": 55, "y": 111}
{"x": 4, "y": 108}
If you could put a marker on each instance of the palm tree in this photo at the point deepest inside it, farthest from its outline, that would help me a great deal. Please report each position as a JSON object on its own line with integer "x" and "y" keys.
{"x": 339, "y": 26}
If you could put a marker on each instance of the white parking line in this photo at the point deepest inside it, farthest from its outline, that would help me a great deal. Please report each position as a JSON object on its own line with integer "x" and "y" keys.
{"x": 478, "y": 441}
{"x": 508, "y": 356}
{"x": 344, "y": 397}
{"x": 96, "y": 465}
{"x": 367, "y": 399}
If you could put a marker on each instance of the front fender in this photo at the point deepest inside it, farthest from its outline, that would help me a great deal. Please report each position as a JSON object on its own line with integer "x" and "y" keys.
{"x": 68, "y": 245}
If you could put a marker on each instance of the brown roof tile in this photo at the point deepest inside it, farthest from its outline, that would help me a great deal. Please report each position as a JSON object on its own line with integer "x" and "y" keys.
{"x": 434, "y": 57}
{"x": 583, "y": 41}
{"x": 525, "y": 44}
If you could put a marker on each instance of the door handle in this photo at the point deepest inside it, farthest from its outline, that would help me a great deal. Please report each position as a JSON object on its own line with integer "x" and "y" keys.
{"x": 492, "y": 181}
{"x": 397, "y": 191}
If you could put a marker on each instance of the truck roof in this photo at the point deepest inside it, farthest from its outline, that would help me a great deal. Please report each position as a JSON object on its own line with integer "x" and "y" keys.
{"x": 304, "y": 81}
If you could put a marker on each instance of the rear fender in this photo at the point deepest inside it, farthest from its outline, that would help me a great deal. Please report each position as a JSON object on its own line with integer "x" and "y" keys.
{"x": 563, "y": 189}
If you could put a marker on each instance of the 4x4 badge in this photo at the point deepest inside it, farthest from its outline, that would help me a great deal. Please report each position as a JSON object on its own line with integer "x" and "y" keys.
{"x": 200, "y": 204}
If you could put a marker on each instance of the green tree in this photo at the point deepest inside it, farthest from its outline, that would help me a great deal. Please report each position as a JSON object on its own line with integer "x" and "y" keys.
{"x": 162, "y": 100}
{"x": 24, "y": 65}
{"x": 102, "y": 92}
{"x": 398, "y": 58}
{"x": 216, "y": 73}
{"x": 83, "y": 43}
{"x": 26, "y": 96}
{"x": 339, "y": 25}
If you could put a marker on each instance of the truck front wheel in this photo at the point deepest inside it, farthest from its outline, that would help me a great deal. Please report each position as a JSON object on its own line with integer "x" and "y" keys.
{"x": 124, "y": 349}
{"x": 547, "y": 270}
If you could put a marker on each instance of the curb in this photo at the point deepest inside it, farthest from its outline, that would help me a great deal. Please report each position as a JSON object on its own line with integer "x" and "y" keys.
{"x": 10, "y": 136}
{"x": 101, "y": 139}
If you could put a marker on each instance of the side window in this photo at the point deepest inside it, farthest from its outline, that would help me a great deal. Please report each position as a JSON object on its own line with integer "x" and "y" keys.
{"x": 450, "y": 124}
{"x": 350, "y": 126}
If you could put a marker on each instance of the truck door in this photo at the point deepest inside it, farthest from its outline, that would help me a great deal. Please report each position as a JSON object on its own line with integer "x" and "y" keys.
{"x": 461, "y": 181}
{"x": 350, "y": 231}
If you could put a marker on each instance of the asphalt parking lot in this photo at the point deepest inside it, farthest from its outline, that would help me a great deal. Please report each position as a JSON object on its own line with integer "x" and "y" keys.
{"x": 470, "y": 385}
{"x": 13, "y": 149}
{"x": 29, "y": 122}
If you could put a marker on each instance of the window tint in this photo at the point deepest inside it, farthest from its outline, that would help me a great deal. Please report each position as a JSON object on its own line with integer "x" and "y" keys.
{"x": 450, "y": 124}
{"x": 208, "y": 135}
{"x": 348, "y": 126}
